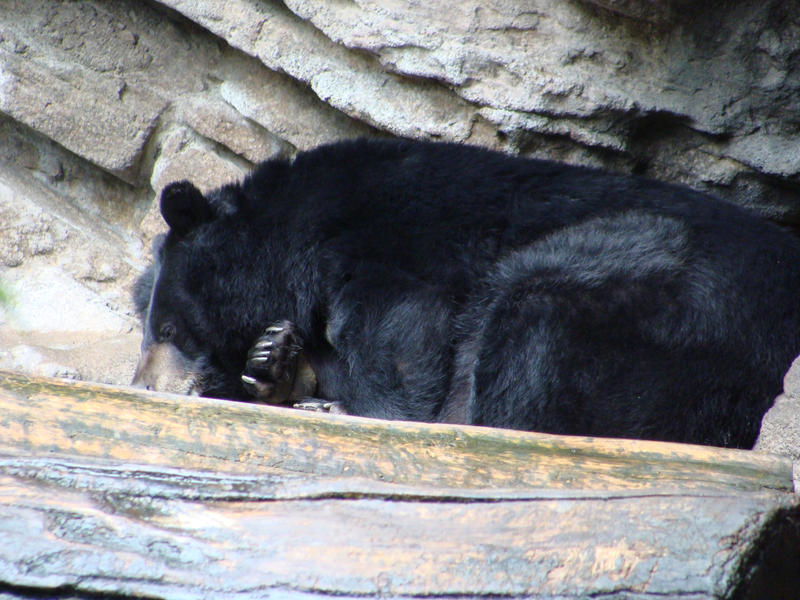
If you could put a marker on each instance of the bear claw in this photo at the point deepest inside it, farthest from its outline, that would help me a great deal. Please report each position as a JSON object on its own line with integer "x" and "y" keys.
{"x": 261, "y": 359}
{"x": 318, "y": 405}
{"x": 271, "y": 364}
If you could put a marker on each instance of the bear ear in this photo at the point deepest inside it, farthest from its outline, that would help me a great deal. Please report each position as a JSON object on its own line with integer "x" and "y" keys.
{"x": 184, "y": 207}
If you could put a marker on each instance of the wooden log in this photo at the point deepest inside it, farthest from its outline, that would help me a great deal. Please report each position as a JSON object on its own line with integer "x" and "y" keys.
{"x": 48, "y": 415}
{"x": 106, "y": 490}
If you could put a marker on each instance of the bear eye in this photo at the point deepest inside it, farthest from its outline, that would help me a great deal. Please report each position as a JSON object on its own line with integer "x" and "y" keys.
{"x": 166, "y": 333}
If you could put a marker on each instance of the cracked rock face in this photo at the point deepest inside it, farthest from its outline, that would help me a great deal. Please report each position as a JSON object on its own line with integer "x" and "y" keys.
{"x": 103, "y": 103}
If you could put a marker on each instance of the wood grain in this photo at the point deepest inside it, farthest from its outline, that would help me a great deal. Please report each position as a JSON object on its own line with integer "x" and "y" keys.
{"x": 43, "y": 415}
{"x": 96, "y": 527}
{"x": 114, "y": 491}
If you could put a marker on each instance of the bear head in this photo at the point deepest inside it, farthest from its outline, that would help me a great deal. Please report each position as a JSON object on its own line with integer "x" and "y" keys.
{"x": 194, "y": 336}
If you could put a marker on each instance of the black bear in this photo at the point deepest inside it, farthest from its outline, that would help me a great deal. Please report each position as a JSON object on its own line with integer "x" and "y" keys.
{"x": 442, "y": 282}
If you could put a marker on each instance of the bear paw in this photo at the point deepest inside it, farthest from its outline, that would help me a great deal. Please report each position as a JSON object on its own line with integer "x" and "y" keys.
{"x": 318, "y": 405}
{"x": 269, "y": 374}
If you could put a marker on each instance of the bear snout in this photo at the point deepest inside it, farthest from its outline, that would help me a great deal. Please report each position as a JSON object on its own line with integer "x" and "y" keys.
{"x": 162, "y": 368}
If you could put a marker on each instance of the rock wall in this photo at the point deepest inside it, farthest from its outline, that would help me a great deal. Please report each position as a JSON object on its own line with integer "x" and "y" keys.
{"x": 780, "y": 428}
{"x": 103, "y": 103}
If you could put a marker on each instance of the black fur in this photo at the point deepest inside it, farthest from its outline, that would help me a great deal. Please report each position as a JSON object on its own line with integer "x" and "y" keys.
{"x": 443, "y": 282}
{"x": 183, "y": 207}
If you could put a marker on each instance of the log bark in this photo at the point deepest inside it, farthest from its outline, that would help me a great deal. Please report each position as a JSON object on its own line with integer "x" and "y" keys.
{"x": 109, "y": 490}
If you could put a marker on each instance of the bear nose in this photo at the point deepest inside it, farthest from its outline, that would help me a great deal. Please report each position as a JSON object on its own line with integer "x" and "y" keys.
{"x": 140, "y": 381}
{"x": 143, "y": 377}
{"x": 143, "y": 382}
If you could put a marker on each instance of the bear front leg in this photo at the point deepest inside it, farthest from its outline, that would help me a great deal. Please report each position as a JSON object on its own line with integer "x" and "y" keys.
{"x": 276, "y": 372}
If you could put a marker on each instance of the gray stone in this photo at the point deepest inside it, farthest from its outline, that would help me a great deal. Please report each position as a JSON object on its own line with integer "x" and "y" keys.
{"x": 286, "y": 108}
{"x": 221, "y": 122}
{"x": 791, "y": 383}
{"x": 99, "y": 119}
{"x": 184, "y": 155}
{"x": 661, "y": 12}
{"x": 64, "y": 276}
{"x": 780, "y": 427}
{"x": 350, "y": 82}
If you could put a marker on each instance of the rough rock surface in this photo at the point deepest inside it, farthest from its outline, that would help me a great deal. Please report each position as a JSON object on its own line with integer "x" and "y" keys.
{"x": 780, "y": 427}
{"x": 103, "y": 103}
